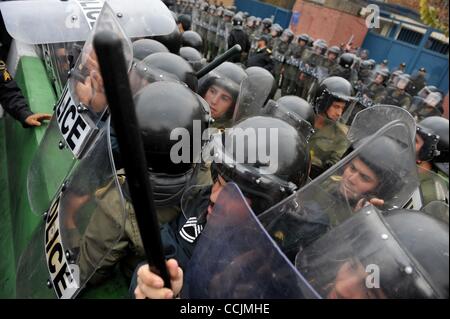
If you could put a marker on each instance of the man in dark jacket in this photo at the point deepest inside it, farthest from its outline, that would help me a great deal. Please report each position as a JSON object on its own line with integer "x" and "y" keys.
{"x": 238, "y": 36}
{"x": 262, "y": 56}
{"x": 14, "y": 103}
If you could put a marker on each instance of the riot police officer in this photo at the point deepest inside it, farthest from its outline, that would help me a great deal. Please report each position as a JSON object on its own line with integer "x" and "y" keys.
{"x": 307, "y": 75}
{"x": 280, "y": 48}
{"x": 397, "y": 95}
{"x": 332, "y": 56}
{"x": 329, "y": 142}
{"x": 238, "y": 36}
{"x": 261, "y": 186}
{"x": 275, "y": 32}
{"x": 14, "y": 102}
{"x": 430, "y": 106}
{"x": 159, "y": 114}
{"x": 293, "y": 57}
{"x": 432, "y": 151}
{"x": 344, "y": 68}
{"x": 220, "y": 89}
{"x": 417, "y": 81}
{"x": 376, "y": 87}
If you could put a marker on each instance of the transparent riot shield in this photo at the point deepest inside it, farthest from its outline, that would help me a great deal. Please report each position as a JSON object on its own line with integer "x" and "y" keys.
{"x": 72, "y": 21}
{"x": 380, "y": 171}
{"x": 82, "y": 225}
{"x": 254, "y": 92}
{"x": 79, "y": 115}
{"x": 365, "y": 258}
{"x": 235, "y": 257}
{"x": 369, "y": 121}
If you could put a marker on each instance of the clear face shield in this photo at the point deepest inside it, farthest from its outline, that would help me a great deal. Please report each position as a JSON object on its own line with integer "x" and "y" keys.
{"x": 433, "y": 99}
{"x": 253, "y": 94}
{"x": 361, "y": 178}
{"x": 401, "y": 83}
{"x": 235, "y": 257}
{"x": 363, "y": 259}
{"x": 423, "y": 93}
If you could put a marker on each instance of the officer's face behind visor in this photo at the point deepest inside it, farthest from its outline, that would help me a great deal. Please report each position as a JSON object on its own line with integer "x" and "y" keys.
{"x": 219, "y": 101}
{"x": 357, "y": 180}
{"x": 335, "y": 110}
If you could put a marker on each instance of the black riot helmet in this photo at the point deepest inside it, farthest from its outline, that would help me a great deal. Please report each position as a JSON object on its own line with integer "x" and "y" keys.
{"x": 386, "y": 157}
{"x": 264, "y": 180}
{"x": 299, "y": 106}
{"x": 168, "y": 65}
{"x": 332, "y": 89}
{"x": 194, "y": 58}
{"x": 227, "y": 76}
{"x": 434, "y": 131}
{"x": 172, "y": 40}
{"x": 267, "y": 23}
{"x": 238, "y": 20}
{"x": 294, "y": 111}
{"x": 185, "y": 21}
{"x": 192, "y": 39}
{"x": 346, "y": 60}
{"x": 144, "y": 47}
{"x": 426, "y": 240}
{"x": 159, "y": 112}
{"x": 365, "y": 65}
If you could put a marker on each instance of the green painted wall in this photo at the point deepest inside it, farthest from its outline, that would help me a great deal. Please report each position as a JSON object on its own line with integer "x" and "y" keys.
{"x": 17, "y": 147}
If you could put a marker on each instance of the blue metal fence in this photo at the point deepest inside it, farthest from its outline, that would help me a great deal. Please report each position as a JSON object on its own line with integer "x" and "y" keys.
{"x": 413, "y": 48}
{"x": 265, "y": 10}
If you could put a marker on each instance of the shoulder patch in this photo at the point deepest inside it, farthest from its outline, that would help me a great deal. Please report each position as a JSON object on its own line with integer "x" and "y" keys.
{"x": 4, "y": 72}
{"x": 269, "y": 51}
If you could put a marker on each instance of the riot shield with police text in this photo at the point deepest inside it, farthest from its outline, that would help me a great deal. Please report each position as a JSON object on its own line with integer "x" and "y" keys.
{"x": 83, "y": 223}
{"x": 79, "y": 115}
{"x": 235, "y": 257}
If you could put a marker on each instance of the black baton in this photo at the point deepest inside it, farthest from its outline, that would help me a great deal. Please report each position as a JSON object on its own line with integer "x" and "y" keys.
{"x": 110, "y": 55}
{"x": 219, "y": 60}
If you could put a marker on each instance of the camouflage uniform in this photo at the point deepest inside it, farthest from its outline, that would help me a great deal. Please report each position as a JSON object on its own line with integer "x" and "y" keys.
{"x": 101, "y": 235}
{"x": 328, "y": 145}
